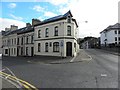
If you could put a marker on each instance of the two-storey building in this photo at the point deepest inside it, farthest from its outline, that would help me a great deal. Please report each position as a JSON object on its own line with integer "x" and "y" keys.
{"x": 56, "y": 36}
{"x": 110, "y": 35}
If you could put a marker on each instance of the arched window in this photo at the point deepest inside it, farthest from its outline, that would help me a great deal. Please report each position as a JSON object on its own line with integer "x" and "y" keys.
{"x": 39, "y": 33}
{"x": 46, "y": 32}
{"x": 46, "y": 47}
{"x": 56, "y": 47}
{"x": 69, "y": 30}
{"x": 56, "y": 31}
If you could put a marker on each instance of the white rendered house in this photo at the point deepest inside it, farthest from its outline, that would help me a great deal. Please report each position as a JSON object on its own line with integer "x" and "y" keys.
{"x": 110, "y": 35}
{"x": 56, "y": 36}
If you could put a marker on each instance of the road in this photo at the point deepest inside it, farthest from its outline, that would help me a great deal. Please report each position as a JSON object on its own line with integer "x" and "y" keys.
{"x": 101, "y": 71}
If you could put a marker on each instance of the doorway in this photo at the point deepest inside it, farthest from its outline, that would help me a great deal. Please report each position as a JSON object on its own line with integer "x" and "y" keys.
{"x": 69, "y": 49}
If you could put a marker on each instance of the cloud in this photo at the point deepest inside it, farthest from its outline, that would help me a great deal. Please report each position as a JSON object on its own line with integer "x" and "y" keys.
{"x": 5, "y": 22}
{"x": 56, "y": 2}
{"x": 98, "y": 15}
{"x": 12, "y": 5}
{"x": 49, "y": 14}
{"x": 38, "y": 8}
{"x": 16, "y": 17}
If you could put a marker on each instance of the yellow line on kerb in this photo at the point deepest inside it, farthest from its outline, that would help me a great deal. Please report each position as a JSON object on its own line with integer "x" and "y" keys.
{"x": 24, "y": 83}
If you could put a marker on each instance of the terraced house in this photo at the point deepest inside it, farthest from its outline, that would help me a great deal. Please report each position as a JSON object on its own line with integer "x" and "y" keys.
{"x": 55, "y": 36}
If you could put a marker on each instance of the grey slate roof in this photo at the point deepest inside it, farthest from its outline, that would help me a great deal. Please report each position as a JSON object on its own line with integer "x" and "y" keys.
{"x": 19, "y": 31}
{"x": 112, "y": 27}
{"x": 31, "y": 28}
{"x": 56, "y": 18}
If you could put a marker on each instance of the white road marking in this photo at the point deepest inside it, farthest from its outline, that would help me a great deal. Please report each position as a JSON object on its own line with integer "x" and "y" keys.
{"x": 14, "y": 84}
{"x": 103, "y": 75}
{"x": 72, "y": 59}
{"x": 2, "y": 70}
{"x": 90, "y": 58}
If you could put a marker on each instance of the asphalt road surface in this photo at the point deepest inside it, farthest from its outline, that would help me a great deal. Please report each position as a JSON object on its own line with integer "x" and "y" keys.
{"x": 100, "y": 71}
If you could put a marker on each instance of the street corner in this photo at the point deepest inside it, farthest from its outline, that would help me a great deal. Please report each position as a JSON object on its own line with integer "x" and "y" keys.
{"x": 11, "y": 81}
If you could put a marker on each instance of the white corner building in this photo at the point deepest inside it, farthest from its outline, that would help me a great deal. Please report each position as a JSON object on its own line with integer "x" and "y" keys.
{"x": 110, "y": 35}
{"x": 56, "y": 36}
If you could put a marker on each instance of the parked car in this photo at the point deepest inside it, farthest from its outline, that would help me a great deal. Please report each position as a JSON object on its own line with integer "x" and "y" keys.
{"x": 0, "y": 56}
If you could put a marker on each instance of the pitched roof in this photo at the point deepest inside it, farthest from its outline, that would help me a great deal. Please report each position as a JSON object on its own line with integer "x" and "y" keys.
{"x": 19, "y": 31}
{"x": 56, "y": 18}
{"x": 112, "y": 27}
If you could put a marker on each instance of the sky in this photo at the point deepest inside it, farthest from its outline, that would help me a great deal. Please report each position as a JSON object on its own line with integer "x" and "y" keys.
{"x": 99, "y": 14}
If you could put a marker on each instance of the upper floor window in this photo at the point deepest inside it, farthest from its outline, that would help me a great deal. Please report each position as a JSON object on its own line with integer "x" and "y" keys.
{"x": 17, "y": 41}
{"x": 115, "y": 38}
{"x": 56, "y": 47}
{"x": 119, "y": 38}
{"x": 46, "y": 32}
{"x": 46, "y": 47}
{"x": 69, "y": 19}
{"x": 27, "y": 40}
{"x": 69, "y": 30}
{"x": 119, "y": 32}
{"x": 56, "y": 31}
{"x": 39, "y": 33}
{"x": 32, "y": 38}
{"x": 22, "y": 41}
{"x": 115, "y": 32}
{"x": 14, "y": 40}
{"x": 39, "y": 47}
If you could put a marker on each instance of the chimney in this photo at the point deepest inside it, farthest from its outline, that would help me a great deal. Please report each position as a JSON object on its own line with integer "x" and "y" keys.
{"x": 35, "y": 21}
{"x": 13, "y": 27}
{"x": 7, "y": 29}
{"x": 28, "y": 24}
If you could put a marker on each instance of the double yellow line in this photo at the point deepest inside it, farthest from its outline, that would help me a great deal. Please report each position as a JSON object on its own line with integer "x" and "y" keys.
{"x": 25, "y": 84}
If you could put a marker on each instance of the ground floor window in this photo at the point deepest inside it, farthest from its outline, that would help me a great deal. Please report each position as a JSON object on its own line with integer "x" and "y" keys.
{"x": 56, "y": 47}
{"x": 6, "y": 51}
{"x": 46, "y": 47}
{"x": 26, "y": 50}
{"x": 39, "y": 47}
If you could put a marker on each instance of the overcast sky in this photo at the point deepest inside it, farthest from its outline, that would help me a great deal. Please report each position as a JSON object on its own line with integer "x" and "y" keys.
{"x": 98, "y": 13}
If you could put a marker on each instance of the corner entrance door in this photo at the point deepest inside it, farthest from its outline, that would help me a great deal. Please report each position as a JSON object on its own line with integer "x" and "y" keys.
{"x": 69, "y": 49}
{"x": 32, "y": 51}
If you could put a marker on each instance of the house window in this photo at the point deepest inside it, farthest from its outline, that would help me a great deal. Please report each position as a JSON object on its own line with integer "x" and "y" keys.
{"x": 115, "y": 38}
{"x": 115, "y": 32}
{"x": 69, "y": 19}
{"x": 56, "y": 31}
{"x": 69, "y": 30}
{"x": 115, "y": 42}
{"x": 50, "y": 44}
{"x": 39, "y": 32}
{"x": 27, "y": 40}
{"x": 22, "y": 41}
{"x": 46, "y": 47}
{"x": 46, "y": 32}
{"x": 119, "y": 38}
{"x": 26, "y": 50}
{"x": 56, "y": 47}
{"x": 119, "y": 32}
{"x": 6, "y": 51}
{"x": 12, "y": 41}
{"x": 39, "y": 47}
{"x": 32, "y": 38}
{"x": 14, "y": 51}
{"x": 17, "y": 41}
